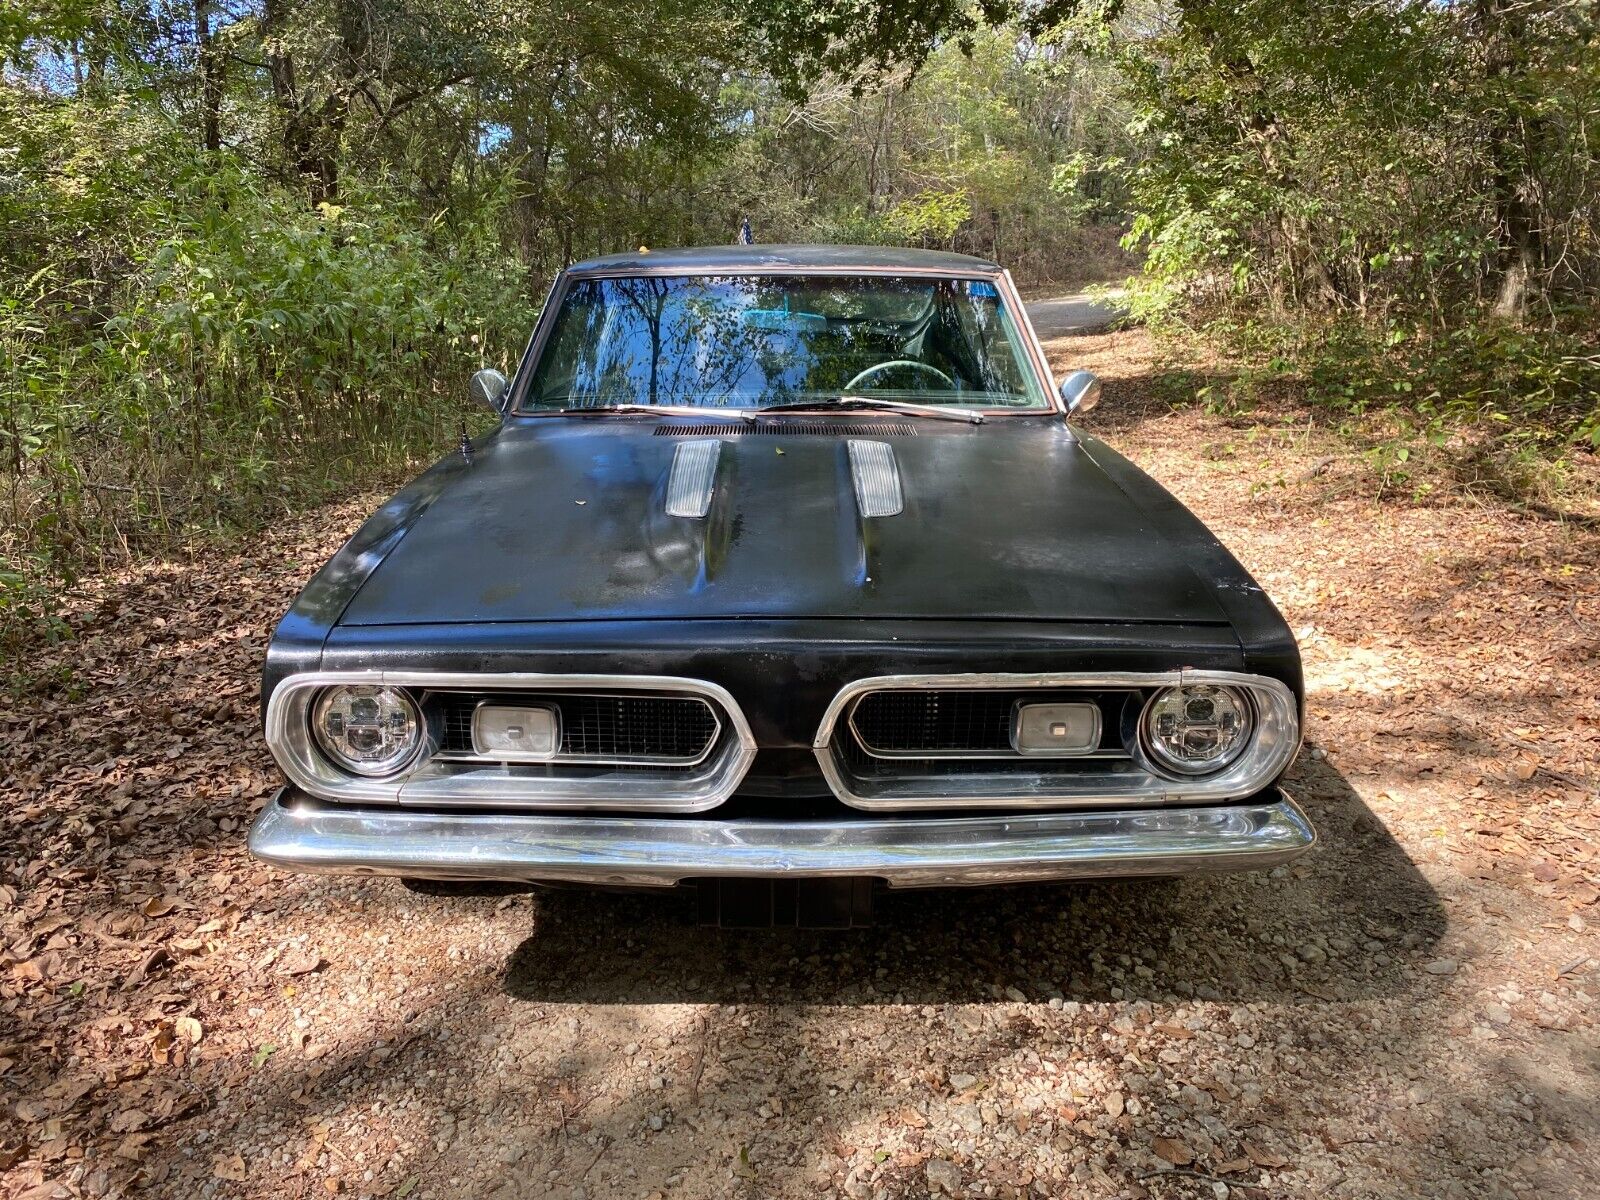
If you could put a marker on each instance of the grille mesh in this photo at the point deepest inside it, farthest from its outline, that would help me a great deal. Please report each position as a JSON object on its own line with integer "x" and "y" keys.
{"x": 600, "y": 727}
{"x": 792, "y": 429}
{"x": 971, "y": 721}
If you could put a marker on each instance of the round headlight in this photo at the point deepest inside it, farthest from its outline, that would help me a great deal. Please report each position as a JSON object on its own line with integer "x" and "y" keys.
{"x": 367, "y": 729}
{"x": 1197, "y": 730}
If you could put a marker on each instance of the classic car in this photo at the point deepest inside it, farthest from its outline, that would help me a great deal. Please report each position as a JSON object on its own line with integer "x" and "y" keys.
{"x": 787, "y": 574}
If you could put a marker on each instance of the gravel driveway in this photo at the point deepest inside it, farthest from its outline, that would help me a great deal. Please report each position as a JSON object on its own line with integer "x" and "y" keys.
{"x": 1407, "y": 1011}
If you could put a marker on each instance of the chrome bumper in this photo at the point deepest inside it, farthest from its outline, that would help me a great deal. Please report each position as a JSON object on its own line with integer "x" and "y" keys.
{"x": 306, "y": 835}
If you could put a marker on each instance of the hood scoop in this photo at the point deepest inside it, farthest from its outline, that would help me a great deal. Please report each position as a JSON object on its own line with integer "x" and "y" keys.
{"x": 791, "y": 429}
{"x": 876, "y": 475}
{"x": 693, "y": 478}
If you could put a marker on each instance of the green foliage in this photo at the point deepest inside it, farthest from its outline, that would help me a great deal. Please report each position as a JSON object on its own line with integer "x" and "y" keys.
{"x": 203, "y": 349}
{"x": 249, "y": 256}
{"x": 1393, "y": 203}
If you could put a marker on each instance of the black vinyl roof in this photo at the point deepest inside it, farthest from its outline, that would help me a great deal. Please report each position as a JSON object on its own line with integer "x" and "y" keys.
{"x": 779, "y": 258}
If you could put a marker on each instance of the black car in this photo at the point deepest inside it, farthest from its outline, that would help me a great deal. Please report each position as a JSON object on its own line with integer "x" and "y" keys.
{"x": 784, "y": 573}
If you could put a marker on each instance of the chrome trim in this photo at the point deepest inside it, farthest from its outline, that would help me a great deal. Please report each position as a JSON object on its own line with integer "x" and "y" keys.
{"x": 991, "y": 273}
{"x": 302, "y": 835}
{"x": 693, "y": 477}
{"x": 1030, "y": 338}
{"x": 876, "y": 476}
{"x": 445, "y": 782}
{"x": 1271, "y": 750}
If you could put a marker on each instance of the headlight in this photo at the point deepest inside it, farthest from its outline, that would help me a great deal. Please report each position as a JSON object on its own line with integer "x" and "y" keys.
{"x": 367, "y": 729}
{"x": 1197, "y": 730}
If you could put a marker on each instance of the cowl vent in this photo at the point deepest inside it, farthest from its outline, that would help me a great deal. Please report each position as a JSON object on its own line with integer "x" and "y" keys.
{"x": 792, "y": 429}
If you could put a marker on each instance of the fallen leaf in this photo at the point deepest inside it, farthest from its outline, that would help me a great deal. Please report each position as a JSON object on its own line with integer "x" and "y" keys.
{"x": 1264, "y": 1158}
{"x": 161, "y": 1044}
{"x": 229, "y": 1166}
{"x": 156, "y": 959}
{"x": 133, "y": 1146}
{"x": 159, "y": 906}
{"x": 262, "y": 1055}
{"x": 1233, "y": 1166}
{"x": 189, "y": 1029}
{"x": 406, "y": 1188}
{"x": 1174, "y": 1151}
{"x": 128, "y": 1120}
{"x": 301, "y": 962}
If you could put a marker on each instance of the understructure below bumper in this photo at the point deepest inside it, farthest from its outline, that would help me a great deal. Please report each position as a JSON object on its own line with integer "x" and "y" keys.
{"x": 302, "y": 834}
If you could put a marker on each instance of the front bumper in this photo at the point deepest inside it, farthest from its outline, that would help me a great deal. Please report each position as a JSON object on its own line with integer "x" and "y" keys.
{"x": 302, "y": 834}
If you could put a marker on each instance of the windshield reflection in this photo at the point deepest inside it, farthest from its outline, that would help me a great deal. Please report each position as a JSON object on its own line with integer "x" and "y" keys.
{"x": 757, "y": 341}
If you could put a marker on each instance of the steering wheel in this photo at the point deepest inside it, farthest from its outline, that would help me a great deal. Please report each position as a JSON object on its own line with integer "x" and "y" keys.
{"x": 899, "y": 362}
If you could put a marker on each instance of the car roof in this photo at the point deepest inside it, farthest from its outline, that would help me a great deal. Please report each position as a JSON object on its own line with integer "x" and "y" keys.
{"x": 781, "y": 258}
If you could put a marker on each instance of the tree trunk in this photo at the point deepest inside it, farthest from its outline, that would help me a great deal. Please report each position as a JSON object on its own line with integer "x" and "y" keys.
{"x": 311, "y": 135}
{"x": 1503, "y": 32}
{"x": 210, "y": 78}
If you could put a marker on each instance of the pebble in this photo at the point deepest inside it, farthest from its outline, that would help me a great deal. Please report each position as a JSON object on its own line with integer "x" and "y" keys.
{"x": 943, "y": 1177}
{"x": 1441, "y": 966}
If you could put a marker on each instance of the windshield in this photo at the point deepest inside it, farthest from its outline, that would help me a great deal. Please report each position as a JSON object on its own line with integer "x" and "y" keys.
{"x": 755, "y": 341}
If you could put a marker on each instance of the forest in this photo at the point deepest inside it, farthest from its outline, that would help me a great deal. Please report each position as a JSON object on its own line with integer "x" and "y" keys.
{"x": 250, "y": 250}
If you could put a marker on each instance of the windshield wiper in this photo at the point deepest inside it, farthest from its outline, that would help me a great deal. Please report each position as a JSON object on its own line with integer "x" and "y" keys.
{"x": 671, "y": 410}
{"x": 942, "y": 411}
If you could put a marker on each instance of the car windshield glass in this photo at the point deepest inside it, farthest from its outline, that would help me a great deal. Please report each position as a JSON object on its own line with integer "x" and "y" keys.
{"x": 754, "y": 341}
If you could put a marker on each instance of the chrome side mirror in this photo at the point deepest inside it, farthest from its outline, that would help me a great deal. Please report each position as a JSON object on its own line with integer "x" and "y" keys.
{"x": 1080, "y": 391}
{"x": 489, "y": 388}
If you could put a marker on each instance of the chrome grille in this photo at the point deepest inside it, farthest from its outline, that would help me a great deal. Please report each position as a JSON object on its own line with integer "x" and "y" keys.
{"x": 935, "y": 742}
{"x": 598, "y": 728}
{"x": 954, "y": 723}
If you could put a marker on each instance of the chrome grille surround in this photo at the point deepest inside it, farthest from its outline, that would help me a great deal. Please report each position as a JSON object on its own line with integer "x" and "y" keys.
{"x": 1117, "y": 776}
{"x": 581, "y": 782}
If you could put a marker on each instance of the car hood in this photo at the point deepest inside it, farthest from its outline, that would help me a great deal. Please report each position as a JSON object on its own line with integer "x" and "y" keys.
{"x": 567, "y": 519}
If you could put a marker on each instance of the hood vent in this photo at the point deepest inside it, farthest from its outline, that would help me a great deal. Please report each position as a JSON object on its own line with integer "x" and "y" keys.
{"x": 693, "y": 478}
{"x": 877, "y": 479}
{"x": 791, "y": 429}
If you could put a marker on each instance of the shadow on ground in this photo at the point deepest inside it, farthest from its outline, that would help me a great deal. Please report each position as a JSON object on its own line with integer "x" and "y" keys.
{"x": 1334, "y": 926}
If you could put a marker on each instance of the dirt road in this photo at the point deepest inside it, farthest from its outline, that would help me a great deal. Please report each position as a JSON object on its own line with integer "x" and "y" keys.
{"x": 1061, "y": 316}
{"x": 1408, "y": 1011}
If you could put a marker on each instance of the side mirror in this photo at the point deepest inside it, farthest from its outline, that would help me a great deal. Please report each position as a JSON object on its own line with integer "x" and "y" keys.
{"x": 489, "y": 388}
{"x": 1080, "y": 391}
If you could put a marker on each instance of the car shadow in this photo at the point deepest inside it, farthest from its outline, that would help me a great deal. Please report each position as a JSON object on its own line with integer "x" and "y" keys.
{"x": 1337, "y": 924}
